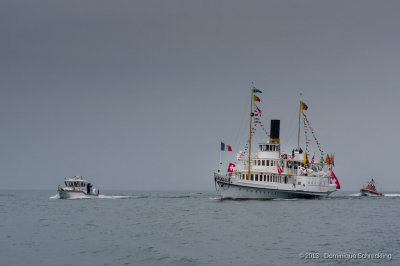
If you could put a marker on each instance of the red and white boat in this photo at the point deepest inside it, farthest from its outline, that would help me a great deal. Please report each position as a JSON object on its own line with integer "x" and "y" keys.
{"x": 370, "y": 189}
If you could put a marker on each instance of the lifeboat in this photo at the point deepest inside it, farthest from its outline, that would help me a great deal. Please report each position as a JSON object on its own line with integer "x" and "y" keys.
{"x": 370, "y": 189}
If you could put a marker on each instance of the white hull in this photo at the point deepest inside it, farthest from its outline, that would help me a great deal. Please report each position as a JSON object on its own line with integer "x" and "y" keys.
{"x": 75, "y": 195}
{"x": 230, "y": 188}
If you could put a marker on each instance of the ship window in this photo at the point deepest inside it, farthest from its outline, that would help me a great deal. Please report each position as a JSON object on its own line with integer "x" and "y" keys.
{"x": 258, "y": 162}
{"x": 265, "y": 178}
{"x": 256, "y": 177}
{"x": 251, "y": 177}
{"x": 260, "y": 147}
{"x": 274, "y": 148}
{"x": 267, "y": 162}
{"x": 255, "y": 162}
{"x": 263, "y": 162}
{"x": 267, "y": 147}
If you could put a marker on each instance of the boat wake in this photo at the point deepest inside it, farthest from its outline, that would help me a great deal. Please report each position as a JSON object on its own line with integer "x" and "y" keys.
{"x": 355, "y": 195}
{"x": 99, "y": 197}
{"x": 385, "y": 195}
{"x": 118, "y": 197}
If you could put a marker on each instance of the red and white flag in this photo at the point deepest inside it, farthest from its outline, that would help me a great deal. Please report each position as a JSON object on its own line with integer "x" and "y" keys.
{"x": 312, "y": 160}
{"x": 279, "y": 169}
{"x": 231, "y": 167}
{"x": 334, "y": 179}
{"x": 257, "y": 111}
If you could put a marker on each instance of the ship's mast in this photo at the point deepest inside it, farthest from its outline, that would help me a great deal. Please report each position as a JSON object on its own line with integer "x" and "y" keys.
{"x": 298, "y": 135}
{"x": 251, "y": 121}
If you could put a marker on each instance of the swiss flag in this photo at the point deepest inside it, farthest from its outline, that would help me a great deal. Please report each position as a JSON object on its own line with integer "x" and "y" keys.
{"x": 279, "y": 169}
{"x": 334, "y": 179}
{"x": 230, "y": 167}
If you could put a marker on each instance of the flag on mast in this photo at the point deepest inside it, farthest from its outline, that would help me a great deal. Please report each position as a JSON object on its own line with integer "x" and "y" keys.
{"x": 225, "y": 147}
{"x": 256, "y": 99}
{"x": 334, "y": 179}
{"x": 305, "y": 161}
{"x": 258, "y": 111}
{"x": 256, "y": 91}
{"x": 231, "y": 167}
{"x": 328, "y": 159}
{"x": 303, "y": 106}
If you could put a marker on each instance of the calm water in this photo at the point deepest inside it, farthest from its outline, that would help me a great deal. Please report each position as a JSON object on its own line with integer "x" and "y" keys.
{"x": 188, "y": 228}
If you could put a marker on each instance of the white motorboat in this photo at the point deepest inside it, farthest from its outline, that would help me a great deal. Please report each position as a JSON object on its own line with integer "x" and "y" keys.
{"x": 77, "y": 187}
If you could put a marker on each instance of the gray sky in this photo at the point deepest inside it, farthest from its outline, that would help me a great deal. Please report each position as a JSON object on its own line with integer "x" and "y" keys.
{"x": 137, "y": 94}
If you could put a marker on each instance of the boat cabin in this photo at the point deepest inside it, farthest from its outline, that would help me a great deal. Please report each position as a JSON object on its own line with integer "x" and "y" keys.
{"x": 78, "y": 184}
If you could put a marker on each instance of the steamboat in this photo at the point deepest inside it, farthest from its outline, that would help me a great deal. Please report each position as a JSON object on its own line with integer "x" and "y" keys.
{"x": 271, "y": 173}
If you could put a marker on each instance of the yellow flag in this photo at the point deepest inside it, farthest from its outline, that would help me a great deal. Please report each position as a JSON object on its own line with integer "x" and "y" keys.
{"x": 328, "y": 159}
{"x": 303, "y": 105}
{"x": 305, "y": 161}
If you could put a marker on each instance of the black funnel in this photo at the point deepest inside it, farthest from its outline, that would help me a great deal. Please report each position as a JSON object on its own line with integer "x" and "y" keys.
{"x": 275, "y": 129}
